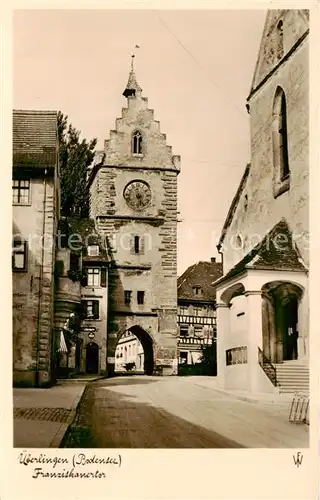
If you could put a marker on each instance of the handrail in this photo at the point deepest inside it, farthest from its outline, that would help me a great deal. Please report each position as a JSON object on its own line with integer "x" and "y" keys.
{"x": 267, "y": 367}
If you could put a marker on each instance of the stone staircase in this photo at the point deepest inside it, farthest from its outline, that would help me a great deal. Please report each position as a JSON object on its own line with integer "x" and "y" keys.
{"x": 292, "y": 376}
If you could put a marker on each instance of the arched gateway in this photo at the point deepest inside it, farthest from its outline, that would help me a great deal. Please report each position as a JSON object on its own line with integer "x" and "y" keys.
{"x": 143, "y": 361}
{"x": 134, "y": 192}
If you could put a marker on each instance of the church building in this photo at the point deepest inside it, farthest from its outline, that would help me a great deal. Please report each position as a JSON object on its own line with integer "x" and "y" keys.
{"x": 262, "y": 298}
{"x": 133, "y": 202}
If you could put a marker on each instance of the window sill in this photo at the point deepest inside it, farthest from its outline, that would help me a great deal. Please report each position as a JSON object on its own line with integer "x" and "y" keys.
{"x": 16, "y": 270}
{"x": 21, "y": 204}
{"x": 138, "y": 155}
{"x": 281, "y": 187}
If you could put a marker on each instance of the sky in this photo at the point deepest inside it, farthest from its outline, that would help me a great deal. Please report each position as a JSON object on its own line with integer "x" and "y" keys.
{"x": 196, "y": 69}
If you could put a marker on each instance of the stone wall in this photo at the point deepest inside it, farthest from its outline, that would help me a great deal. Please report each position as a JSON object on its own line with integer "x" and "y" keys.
{"x": 33, "y": 290}
{"x": 263, "y": 210}
{"x": 154, "y": 269}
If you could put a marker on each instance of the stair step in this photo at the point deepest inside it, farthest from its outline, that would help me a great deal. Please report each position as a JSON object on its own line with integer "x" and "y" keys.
{"x": 305, "y": 379}
{"x": 294, "y": 385}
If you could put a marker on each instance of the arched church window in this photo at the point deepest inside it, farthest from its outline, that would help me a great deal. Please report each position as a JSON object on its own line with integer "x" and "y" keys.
{"x": 137, "y": 142}
{"x": 280, "y": 143}
{"x": 280, "y": 40}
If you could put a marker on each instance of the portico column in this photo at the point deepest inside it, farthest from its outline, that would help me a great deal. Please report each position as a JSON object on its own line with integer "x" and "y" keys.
{"x": 223, "y": 332}
{"x": 255, "y": 338}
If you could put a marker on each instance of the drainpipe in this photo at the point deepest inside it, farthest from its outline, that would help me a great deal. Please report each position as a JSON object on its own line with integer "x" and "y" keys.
{"x": 41, "y": 279}
{"x": 220, "y": 252}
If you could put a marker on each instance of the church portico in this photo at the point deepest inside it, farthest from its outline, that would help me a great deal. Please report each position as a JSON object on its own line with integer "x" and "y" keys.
{"x": 260, "y": 322}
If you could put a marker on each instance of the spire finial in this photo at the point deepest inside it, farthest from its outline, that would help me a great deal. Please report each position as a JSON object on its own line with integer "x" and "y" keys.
{"x": 132, "y": 85}
{"x": 133, "y": 56}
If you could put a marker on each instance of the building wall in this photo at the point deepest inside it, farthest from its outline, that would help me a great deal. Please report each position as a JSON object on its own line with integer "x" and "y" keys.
{"x": 97, "y": 293}
{"x": 33, "y": 290}
{"x": 264, "y": 210}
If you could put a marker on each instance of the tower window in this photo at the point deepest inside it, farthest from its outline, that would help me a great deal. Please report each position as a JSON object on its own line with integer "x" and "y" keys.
{"x": 280, "y": 143}
{"x": 137, "y": 143}
{"x": 140, "y": 297}
{"x": 136, "y": 244}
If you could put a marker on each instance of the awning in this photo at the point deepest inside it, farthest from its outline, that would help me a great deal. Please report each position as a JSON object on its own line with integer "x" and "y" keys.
{"x": 63, "y": 346}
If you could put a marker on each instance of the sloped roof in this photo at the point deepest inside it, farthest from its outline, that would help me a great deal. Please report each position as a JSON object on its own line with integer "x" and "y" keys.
{"x": 277, "y": 251}
{"x": 200, "y": 274}
{"x": 84, "y": 234}
{"x": 234, "y": 205}
{"x": 35, "y": 139}
{"x": 132, "y": 84}
{"x": 267, "y": 61}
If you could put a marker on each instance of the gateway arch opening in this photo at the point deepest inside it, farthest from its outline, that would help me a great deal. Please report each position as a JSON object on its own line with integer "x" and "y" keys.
{"x": 134, "y": 352}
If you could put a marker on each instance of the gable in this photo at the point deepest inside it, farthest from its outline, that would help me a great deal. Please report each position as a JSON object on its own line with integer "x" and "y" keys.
{"x": 202, "y": 274}
{"x": 295, "y": 26}
{"x": 35, "y": 139}
{"x": 277, "y": 251}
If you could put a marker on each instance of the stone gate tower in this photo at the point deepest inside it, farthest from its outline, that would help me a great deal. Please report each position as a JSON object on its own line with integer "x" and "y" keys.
{"x": 133, "y": 195}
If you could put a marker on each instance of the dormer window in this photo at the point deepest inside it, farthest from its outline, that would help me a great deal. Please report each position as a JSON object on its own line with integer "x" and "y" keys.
{"x": 93, "y": 250}
{"x": 197, "y": 290}
{"x": 137, "y": 143}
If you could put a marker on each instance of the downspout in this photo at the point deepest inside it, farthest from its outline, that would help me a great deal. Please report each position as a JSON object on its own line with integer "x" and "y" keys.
{"x": 220, "y": 252}
{"x": 41, "y": 279}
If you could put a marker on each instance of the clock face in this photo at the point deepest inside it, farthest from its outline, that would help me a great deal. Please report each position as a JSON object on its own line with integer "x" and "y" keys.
{"x": 137, "y": 195}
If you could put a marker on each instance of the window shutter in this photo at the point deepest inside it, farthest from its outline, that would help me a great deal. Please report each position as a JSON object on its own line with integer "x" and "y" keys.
{"x": 132, "y": 245}
{"x": 84, "y": 280}
{"x": 103, "y": 277}
{"x": 83, "y": 309}
{"x": 96, "y": 309}
{"x": 142, "y": 245}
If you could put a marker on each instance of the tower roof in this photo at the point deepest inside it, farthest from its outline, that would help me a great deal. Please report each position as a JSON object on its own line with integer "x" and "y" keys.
{"x": 132, "y": 85}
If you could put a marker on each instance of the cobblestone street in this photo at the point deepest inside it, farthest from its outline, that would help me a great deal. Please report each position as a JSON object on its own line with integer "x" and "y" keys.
{"x": 174, "y": 412}
{"x": 49, "y": 414}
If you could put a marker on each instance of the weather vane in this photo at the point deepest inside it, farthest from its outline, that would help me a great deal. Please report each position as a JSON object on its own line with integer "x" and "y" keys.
{"x": 133, "y": 56}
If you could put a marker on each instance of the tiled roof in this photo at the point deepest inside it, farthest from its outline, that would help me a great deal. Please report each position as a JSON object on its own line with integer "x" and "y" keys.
{"x": 201, "y": 274}
{"x": 35, "y": 139}
{"x": 85, "y": 235}
{"x": 277, "y": 251}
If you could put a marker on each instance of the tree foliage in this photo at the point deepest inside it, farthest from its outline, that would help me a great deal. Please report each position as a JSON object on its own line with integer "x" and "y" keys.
{"x": 75, "y": 157}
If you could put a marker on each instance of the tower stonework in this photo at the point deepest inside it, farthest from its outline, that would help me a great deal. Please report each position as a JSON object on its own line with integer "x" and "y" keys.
{"x": 133, "y": 194}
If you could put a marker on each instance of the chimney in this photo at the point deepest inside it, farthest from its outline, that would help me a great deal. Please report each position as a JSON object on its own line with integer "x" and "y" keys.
{"x": 213, "y": 259}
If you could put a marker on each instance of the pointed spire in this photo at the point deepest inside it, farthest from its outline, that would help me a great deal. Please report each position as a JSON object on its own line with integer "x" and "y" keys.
{"x": 132, "y": 85}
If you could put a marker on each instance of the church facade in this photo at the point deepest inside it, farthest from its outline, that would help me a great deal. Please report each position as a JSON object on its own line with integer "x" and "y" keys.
{"x": 133, "y": 202}
{"x": 262, "y": 299}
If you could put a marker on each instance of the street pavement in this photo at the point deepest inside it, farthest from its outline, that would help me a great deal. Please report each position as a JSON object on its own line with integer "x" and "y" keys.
{"x": 41, "y": 417}
{"x": 179, "y": 412}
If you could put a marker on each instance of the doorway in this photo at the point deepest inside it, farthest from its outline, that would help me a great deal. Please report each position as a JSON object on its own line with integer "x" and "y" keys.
{"x": 92, "y": 358}
{"x": 289, "y": 331}
{"x": 280, "y": 320}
